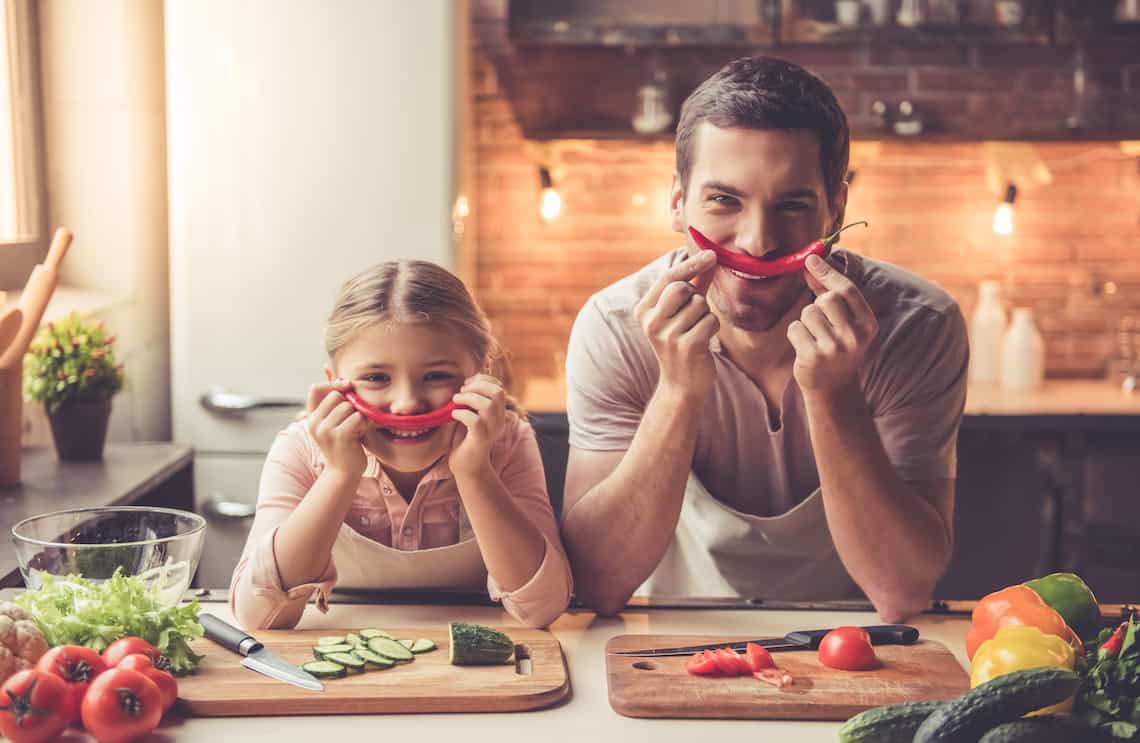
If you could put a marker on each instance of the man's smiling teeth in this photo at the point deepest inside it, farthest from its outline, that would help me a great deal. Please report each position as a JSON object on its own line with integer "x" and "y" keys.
{"x": 743, "y": 275}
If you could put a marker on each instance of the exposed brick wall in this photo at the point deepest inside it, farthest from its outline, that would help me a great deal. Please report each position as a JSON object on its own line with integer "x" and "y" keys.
{"x": 928, "y": 201}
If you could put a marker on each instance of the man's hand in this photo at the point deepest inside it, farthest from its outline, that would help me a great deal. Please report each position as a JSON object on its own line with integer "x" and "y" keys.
{"x": 832, "y": 334}
{"x": 676, "y": 317}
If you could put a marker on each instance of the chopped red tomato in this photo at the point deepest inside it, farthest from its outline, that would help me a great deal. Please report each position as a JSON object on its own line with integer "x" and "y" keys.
{"x": 702, "y": 664}
{"x": 758, "y": 657}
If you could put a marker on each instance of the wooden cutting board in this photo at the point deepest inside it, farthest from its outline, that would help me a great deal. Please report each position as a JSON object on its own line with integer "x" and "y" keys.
{"x": 222, "y": 686}
{"x": 661, "y": 687}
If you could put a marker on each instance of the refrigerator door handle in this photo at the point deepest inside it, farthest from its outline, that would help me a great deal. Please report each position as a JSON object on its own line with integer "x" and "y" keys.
{"x": 221, "y": 402}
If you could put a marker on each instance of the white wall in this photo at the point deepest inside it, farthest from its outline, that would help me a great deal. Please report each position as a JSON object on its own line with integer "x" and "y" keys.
{"x": 105, "y": 144}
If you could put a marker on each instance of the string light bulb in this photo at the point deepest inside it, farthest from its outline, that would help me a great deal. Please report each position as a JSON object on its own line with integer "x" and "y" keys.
{"x": 551, "y": 201}
{"x": 1003, "y": 216}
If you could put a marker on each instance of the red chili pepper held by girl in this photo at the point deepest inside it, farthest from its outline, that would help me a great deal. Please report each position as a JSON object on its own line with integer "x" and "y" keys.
{"x": 437, "y": 417}
{"x": 765, "y": 268}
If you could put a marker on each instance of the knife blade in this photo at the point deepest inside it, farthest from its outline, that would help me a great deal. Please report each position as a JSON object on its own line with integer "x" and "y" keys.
{"x": 881, "y": 634}
{"x": 257, "y": 657}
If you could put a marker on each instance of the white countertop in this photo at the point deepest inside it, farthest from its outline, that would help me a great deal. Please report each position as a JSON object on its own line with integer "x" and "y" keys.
{"x": 585, "y": 717}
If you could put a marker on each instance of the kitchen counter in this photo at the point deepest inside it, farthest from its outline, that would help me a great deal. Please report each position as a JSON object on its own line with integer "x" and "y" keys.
{"x": 586, "y": 715}
{"x": 153, "y": 474}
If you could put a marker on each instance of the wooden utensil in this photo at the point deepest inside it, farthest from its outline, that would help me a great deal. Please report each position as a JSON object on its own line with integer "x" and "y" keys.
{"x": 9, "y": 325}
{"x": 661, "y": 687}
{"x": 222, "y": 687}
{"x": 34, "y": 299}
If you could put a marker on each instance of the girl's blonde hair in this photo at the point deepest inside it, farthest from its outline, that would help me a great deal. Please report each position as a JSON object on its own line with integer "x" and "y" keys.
{"x": 421, "y": 292}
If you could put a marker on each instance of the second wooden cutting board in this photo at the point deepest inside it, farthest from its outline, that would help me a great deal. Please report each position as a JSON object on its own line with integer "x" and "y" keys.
{"x": 661, "y": 687}
{"x": 222, "y": 686}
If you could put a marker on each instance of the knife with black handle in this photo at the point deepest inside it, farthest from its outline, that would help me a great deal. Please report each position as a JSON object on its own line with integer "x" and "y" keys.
{"x": 808, "y": 639}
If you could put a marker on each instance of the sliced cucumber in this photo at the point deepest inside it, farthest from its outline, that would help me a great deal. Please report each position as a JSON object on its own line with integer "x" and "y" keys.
{"x": 373, "y": 660}
{"x": 322, "y": 652}
{"x": 324, "y": 669}
{"x": 351, "y": 661}
{"x": 353, "y": 639}
{"x": 389, "y": 648}
{"x": 331, "y": 640}
{"x": 422, "y": 645}
{"x": 407, "y": 643}
{"x": 368, "y": 634}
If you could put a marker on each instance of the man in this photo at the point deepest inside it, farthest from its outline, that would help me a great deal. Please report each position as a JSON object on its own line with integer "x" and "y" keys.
{"x": 781, "y": 438}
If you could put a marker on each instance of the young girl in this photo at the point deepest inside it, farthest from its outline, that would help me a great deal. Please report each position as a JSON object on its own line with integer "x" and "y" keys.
{"x": 346, "y": 500}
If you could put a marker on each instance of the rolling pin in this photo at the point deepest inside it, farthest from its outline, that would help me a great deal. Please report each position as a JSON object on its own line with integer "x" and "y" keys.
{"x": 9, "y": 325}
{"x": 34, "y": 299}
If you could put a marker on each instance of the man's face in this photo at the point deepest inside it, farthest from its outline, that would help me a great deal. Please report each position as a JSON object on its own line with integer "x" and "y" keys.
{"x": 760, "y": 192}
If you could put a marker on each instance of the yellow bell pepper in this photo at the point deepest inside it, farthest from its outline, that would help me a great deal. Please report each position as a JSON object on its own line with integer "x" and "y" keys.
{"x": 1018, "y": 648}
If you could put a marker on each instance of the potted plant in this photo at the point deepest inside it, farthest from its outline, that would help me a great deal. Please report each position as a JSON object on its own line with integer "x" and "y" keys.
{"x": 70, "y": 367}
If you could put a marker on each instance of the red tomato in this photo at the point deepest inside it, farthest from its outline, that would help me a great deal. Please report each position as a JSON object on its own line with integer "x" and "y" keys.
{"x": 77, "y": 666}
{"x": 33, "y": 707}
{"x": 121, "y": 705}
{"x": 758, "y": 657}
{"x": 702, "y": 665}
{"x": 167, "y": 686}
{"x": 732, "y": 662}
{"x": 848, "y": 649}
{"x": 121, "y": 648}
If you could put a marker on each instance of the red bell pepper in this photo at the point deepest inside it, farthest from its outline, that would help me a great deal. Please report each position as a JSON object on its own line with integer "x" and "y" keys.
{"x": 435, "y": 418}
{"x": 765, "y": 268}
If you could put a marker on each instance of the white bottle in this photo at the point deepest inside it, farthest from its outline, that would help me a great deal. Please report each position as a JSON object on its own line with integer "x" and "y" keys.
{"x": 1022, "y": 354}
{"x": 987, "y": 331}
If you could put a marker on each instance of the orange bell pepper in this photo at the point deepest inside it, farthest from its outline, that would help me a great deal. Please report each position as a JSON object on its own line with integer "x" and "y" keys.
{"x": 1014, "y": 607}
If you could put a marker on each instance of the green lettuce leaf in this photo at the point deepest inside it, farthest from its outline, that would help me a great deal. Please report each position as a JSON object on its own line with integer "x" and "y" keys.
{"x": 76, "y": 611}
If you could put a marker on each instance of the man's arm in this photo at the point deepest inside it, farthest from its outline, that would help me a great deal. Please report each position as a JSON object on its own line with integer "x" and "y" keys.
{"x": 622, "y": 507}
{"x": 894, "y": 537}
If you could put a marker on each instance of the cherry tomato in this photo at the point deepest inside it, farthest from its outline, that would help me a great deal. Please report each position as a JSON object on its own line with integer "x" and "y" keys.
{"x": 167, "y": 686}
{"x": 702, "y": 665}
{"x": 121, "y": 648}
{"x": 848, "y": 649}
{"x": 77, "y": 666}
{"x": 758, "y": 657}
{"x": 33, "y": 707}
{"x": 121, "y": 705}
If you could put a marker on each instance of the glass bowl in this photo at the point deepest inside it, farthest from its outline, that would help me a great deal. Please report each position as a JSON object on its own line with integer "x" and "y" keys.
{"x": 161, "y": 546}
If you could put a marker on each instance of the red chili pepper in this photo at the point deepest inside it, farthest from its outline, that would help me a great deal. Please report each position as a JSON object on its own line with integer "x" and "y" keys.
{"x": 1111, "y": 646}
{"x": 768, "y": 267}
{"x": 437, "y": 417}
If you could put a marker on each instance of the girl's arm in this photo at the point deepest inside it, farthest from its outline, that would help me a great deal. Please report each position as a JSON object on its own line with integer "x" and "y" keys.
{"x": 509, "y": 509}
{"x": 288, "y": 552}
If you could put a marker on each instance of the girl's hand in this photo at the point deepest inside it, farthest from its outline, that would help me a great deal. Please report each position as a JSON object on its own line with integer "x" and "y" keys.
{"x": 337, "y": 428}
{"x": 488, "y": 402}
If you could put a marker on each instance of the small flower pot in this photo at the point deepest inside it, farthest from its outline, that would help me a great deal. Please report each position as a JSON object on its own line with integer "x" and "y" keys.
{"x": 79, "y": 429}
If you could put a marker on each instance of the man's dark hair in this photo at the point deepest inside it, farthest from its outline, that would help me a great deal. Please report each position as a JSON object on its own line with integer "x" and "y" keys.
{"x": 767, "y": 93}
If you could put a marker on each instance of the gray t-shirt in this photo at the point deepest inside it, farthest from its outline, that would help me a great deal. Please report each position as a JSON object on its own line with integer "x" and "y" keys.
{"x": 913, "y": 377}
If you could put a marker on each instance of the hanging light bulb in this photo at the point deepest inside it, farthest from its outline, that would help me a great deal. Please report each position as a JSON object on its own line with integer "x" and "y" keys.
{"x": 1003, "y": 217}
{"x": 551, "y": 201}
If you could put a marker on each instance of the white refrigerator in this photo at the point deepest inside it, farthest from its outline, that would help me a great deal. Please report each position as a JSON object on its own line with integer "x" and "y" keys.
{"x": 306, "y": 140}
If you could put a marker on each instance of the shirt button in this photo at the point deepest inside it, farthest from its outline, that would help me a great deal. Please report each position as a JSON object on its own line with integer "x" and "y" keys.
{"x": 408, "y": 531}
{"x": 387, "y": 490}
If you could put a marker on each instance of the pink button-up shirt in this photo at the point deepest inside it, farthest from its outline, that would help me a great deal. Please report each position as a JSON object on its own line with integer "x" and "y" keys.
{"x": 430, "y": 519}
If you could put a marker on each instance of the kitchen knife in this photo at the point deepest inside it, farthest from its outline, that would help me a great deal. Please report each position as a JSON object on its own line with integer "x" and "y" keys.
{"x": 257, "y": 658}
{"x": 883, "y": 634}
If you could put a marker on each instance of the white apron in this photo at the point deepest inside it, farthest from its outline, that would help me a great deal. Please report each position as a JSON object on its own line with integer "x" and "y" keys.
{"x": 719, "y": 552}
{"x": 364, "y": 563}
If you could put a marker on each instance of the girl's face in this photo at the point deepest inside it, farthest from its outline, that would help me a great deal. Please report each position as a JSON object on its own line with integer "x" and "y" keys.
{"x": 405, "y": 369}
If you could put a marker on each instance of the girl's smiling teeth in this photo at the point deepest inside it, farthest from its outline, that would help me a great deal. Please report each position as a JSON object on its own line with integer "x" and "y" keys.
{"x": 408, "y": 436}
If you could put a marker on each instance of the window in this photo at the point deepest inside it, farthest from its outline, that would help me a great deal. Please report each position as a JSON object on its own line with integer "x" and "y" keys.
{"x": 21, "y": 171}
